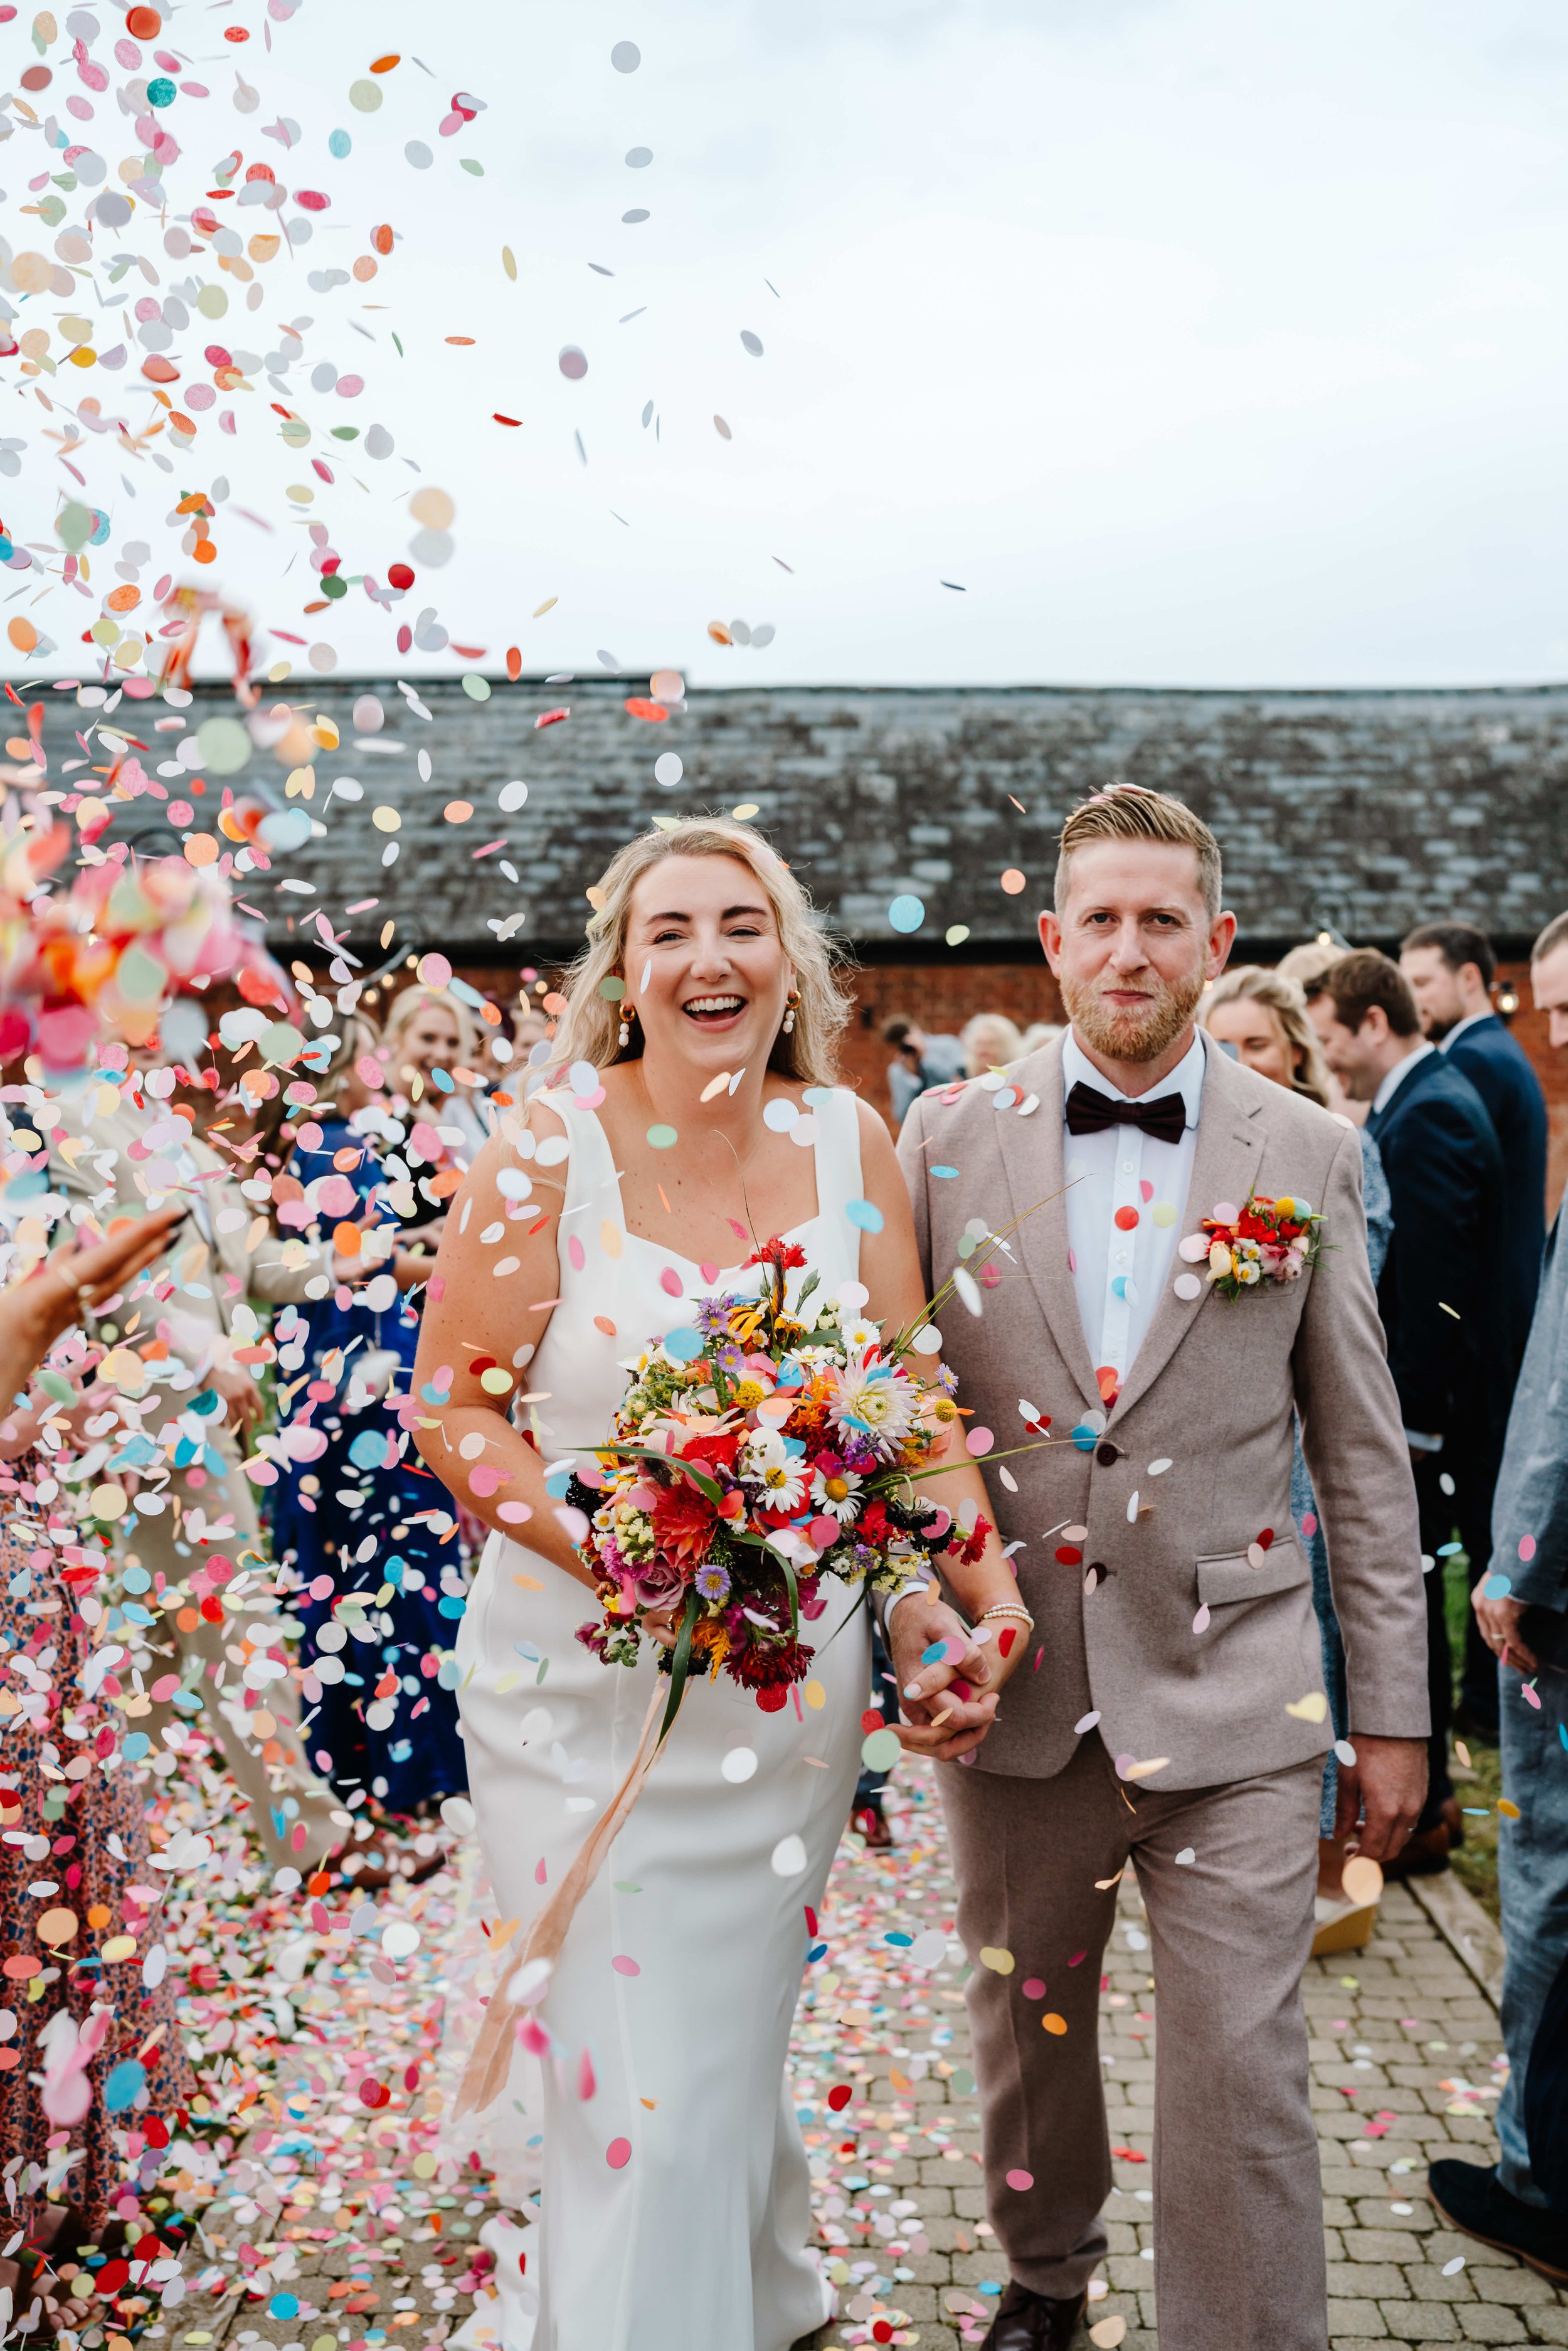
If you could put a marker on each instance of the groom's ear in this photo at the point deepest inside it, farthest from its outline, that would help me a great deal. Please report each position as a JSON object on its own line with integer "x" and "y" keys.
{"x": 1221, "y": 939}
{"x": 1051, "y": 938}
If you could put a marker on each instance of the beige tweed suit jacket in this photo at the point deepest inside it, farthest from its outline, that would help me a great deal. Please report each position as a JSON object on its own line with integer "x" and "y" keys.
{"x": 1213, "y": 1389}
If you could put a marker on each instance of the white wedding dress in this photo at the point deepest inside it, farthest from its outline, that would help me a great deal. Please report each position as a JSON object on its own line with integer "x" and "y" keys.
{"x": 673, "y": 1997}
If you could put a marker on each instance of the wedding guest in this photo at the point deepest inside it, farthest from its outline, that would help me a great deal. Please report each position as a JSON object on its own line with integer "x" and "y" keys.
{"x": 428, "y": 1036}
{"x": 990, "y": 1040}
{"x": 290, "y": 1810}
{"x": 99, "y": 1844}
{"x": 1440, "y": 1295}
{"x": 1450, "y": 967}
{"x": 505, "y": 1049}
{"x": 1039, "y": 1033}
{"x": 356, "y": 1515}
{"x": 1521, "y": 1606}
{"x": 1306, "y": 965}
{"x": 920, "y": 1061}
{"x": 1262, "y": 1018}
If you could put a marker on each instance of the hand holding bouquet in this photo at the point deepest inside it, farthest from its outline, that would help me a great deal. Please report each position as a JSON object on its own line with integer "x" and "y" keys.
{"x": 776, "y": 1442}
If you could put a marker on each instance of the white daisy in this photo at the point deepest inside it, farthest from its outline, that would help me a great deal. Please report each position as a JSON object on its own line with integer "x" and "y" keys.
{"x": 783, "y": 1484}
{"x": 838, "y": 1496}
{"x": 859, "y": 1334}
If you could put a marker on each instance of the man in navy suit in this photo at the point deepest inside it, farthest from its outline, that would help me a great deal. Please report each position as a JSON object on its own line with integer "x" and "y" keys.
{"x": 1439, "y": 1295}
{"x": 1450, "y": 967}
{"x": 1522, "y": 1610}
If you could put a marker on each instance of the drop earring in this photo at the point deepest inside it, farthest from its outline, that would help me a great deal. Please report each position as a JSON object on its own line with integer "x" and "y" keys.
{"x": 628, "y": 1014}
{"x": 790, "y": 1002}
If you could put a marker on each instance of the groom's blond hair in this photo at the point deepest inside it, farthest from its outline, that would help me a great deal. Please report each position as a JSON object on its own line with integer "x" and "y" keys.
{"x": 1128, "y": 812}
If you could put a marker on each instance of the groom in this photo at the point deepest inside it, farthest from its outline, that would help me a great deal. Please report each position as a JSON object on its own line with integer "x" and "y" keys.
{"x": 1169, "y": 1712}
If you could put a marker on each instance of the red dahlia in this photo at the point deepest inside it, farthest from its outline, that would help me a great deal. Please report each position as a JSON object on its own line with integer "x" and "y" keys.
{"x": 773, "y": 1667}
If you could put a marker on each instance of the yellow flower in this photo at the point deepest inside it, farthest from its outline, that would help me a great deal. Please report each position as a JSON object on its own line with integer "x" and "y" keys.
{"x": 1285, "y": 1207}
{"x": 748, "y": 1395}
{"x": 1219, "y": 1261}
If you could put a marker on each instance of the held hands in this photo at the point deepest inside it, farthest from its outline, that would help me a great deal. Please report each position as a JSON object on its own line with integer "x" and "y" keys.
{"x": 939, "y": 1720}
{"x": 1388, "y": 1783}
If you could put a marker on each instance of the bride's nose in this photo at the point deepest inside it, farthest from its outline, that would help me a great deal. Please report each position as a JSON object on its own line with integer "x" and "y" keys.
{"x": 711, "y": 958}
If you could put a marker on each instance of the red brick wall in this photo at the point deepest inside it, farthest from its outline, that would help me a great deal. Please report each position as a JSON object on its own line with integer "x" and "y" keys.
{"x": 941, "y": 997}
{"x": 1530, "y": 1027}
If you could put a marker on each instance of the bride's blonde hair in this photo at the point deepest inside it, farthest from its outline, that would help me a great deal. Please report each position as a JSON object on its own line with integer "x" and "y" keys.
{"x": 589, "y": 1027}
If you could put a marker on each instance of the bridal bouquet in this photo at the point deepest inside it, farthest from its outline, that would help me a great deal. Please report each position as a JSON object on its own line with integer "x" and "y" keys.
{"x": 776, "y": 1442}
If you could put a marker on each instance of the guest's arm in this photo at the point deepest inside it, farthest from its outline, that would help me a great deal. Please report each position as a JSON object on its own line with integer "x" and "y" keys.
{"x": 1439, "y": 1171}
{"x": 1354, "y": 1440}
{"x": 1530, "y": 1514}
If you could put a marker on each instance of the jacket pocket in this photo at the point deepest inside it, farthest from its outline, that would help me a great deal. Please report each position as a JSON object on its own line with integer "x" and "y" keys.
{"x": 1227, "y": 1577}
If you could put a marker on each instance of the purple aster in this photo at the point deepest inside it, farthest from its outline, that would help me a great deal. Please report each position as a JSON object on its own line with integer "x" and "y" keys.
{"x": 713, "y": 1583}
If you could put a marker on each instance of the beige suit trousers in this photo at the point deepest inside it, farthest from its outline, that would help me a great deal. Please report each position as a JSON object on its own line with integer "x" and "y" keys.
{"x": 1239, "y": 2234}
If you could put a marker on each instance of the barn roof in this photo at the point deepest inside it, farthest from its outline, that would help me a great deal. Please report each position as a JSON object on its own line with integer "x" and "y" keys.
{"x": 1366, "y": 812}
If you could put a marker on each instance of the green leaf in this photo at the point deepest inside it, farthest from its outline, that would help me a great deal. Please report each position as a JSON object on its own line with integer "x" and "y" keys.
{"x": 794, "y": 1594}
{"x": 680, "y": 1665}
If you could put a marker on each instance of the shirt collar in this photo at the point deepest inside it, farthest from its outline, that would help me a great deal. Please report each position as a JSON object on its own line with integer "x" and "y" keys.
{"x": 1397, "y": 1075}
{"x": 1460, "y": 1027}
{"x": 1186, "y": 1079}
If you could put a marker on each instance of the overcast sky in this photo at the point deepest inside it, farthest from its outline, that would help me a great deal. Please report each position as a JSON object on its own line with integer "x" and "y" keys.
{"x": 1199, "y": 342}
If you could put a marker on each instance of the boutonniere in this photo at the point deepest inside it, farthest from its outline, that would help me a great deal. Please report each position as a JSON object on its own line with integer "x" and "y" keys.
{"x": 1263, "y": 1241}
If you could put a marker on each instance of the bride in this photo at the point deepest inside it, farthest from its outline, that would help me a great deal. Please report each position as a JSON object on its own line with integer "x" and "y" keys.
{"x": 669, "y": 1138}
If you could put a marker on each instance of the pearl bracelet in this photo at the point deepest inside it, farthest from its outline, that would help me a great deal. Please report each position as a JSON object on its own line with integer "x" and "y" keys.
{"x": 1006, "y": 1608}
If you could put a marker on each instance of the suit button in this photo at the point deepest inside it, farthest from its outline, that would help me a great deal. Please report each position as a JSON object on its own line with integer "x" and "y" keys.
{"x": 1107, "y": 1454}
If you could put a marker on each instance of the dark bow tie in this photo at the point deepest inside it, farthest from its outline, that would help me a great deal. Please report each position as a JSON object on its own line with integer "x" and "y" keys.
{"x": 1089, "y": 1111}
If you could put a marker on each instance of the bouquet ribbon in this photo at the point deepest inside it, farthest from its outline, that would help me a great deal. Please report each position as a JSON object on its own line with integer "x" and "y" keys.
{"x": 484, "y": 2075}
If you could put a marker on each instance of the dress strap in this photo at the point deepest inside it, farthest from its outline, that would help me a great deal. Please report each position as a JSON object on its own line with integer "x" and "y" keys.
{"x": 592, "y": 1190}
{"x": 839, "y": 1178}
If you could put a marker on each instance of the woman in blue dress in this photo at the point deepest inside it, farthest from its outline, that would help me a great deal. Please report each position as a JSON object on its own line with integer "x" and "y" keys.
{"x": 372, "y": 1536}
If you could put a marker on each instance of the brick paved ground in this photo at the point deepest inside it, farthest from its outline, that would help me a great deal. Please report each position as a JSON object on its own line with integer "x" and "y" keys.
{"x": 1405, "y": 2045}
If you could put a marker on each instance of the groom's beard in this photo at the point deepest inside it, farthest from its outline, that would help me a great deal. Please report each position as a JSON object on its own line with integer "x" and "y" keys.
{"x": 1125, "y": 1032}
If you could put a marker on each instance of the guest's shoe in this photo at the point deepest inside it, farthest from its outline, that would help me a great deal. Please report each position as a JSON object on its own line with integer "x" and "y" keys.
{"x": 1342, "y": 1925}
{"x": 1475, "y": 2199}
{"x": 1034, "y": 2322}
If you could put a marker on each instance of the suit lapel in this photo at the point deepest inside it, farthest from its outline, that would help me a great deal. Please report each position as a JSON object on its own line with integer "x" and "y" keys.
{"x": 1031, "y": 1151}
{"x": 1229, "y": 1154}
{"x": 1404, "y": 1095}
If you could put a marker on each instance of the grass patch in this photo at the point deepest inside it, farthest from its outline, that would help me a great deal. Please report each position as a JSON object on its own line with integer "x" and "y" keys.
{"x": 1478, "y": 1785}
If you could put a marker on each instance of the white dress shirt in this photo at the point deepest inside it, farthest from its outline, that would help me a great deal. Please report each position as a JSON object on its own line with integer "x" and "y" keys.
{"x": 1397, "y": 1075}
{"x": 1126, "y": 1197}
